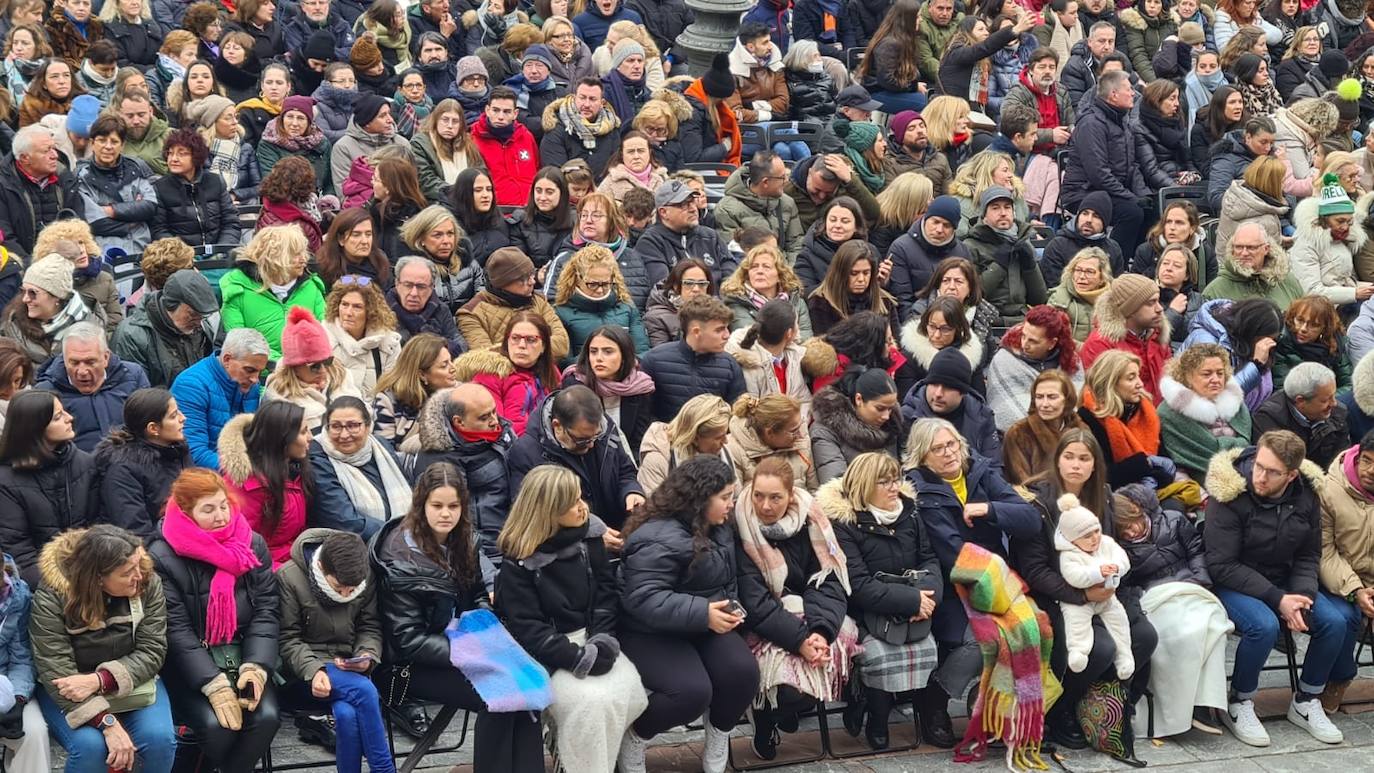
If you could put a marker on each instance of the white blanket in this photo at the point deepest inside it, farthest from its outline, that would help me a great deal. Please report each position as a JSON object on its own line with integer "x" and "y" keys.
{"x": 1189, "y": 665}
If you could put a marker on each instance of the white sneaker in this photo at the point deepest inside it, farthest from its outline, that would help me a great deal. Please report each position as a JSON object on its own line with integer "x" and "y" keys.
{"x": 716, "y": 755}
{"x": 632, "y": 748}
{"x": 1310, "y": 717}
{"x": 1240, "y": 719}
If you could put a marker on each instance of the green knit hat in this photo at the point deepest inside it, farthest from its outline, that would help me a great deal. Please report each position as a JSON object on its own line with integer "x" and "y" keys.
{"x": 1332, "y": 200}
{"x": 859, "y": 136}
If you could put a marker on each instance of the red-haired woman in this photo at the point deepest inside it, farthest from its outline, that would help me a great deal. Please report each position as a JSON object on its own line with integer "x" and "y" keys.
{"x": 1028, "y": 446}
{"x": 519, "y": 373}
{"x": 1312, "y": 332}
{"x": 1044, "y": 341}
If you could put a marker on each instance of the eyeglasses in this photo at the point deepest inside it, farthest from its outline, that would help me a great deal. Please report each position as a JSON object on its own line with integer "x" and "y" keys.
{"x": 561, "y": 36}
{"x": 597, "y": 287}
{"x": 943, "y": 330}
{"x": 31, "y": 294}
{"x": 1247, "y": 247}
{"x": 355, "y": 280}
{"x": 696, "y": 284}
{"x": 342, "y": 427}
{"x": 524, "y": 340}
{"x": 945, "y": 448}
{"x": 417, "y": 287}
{"x": 1085, "y": 271}
{"x": 889, "y": 482}
{"x": 316, "y": 367}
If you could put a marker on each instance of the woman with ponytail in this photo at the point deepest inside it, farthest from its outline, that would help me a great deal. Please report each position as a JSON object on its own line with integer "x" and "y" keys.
{"x": 221, "y": 621}
{"x": 770, "y": 356}
{"x": 772, "y": 426}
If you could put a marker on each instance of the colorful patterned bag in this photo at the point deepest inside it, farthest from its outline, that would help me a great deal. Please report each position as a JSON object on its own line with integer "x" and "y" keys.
{"x": 1106, "y": 721}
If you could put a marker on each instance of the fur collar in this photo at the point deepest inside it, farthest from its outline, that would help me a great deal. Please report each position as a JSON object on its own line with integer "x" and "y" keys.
{"x": 1310, "y": 232}
{"x": 1134, "y": 19}
{"x": 675, "y": 102}
{"x": 1363, "y": 380}
{"x": 233, "y": 449}
{"x": 1226, "y": 483}
{"x": 919, "y": 346}
{"x": 833, "y": 411}
{"x": 1198, "y": 408}
{"x": 1111, "y": 324}
{"x": 837, "y": 506}
{"x": 431, "y": 429}
{"x": 1207, "y": 15}
{"x": 489, "y": 360}
{"x": 1271, "y": 274}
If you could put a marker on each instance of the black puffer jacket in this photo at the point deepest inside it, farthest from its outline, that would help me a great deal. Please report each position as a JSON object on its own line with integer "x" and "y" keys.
{"x": 39, "y": 504}
{"x": 973, "y": 418}
{"x": 699, "y": 142}
{"x": 660, "y": 248}
{"x": 186, "y": 582}
{"x": 823, "y": 606}
{"x": 1102, "y": 154}
{"x": 1067, "y": 243}
{"x": 666, "y": 588}
{"x": 1079, "y": 75}
{"x": 25, "y": 208}
{"x": 1172, "y": 552}
{"x": 864, "y": 18}
{"x": 417, "y": 599}
{"x": 1290, "y": 74}
{"x": 1230, "y": 156}
{"x": 137, "y": 43}
{"x": 811, "y": 96}
{"x": 869, "y": 548}
{"x": 682, "y": 374}
{"x": 1162, "y": 147}
{"x": 568, "y": 584}
{"x": 814, "y": 259}
{"x": 838, "y": 435}
{"x": 198, "y": 213}
{"x": 135, "y": 479}
{"x": 537, "y": 237}
{"x": 914, "y": 260}
{"x": 482, "y": 243}
{"x": 664, "y": 19}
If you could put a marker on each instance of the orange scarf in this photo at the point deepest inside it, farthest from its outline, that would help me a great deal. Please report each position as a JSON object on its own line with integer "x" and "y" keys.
{"x": 729, "y": 127}
{"x": 1138, "y": 436}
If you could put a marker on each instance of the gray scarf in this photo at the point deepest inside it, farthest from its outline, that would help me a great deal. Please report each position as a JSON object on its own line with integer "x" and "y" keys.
{"x": 366, "y": 499}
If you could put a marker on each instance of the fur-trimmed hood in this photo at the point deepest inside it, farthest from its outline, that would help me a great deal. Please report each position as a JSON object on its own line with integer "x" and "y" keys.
{"x": 1271, "y": 274}
{"x": 1111, "y": 323}
{"x": 1188, "y": 403}
{"x": 1309, "y": 231}
{"x": 233, "y": 449}
{"x": 489, "y": 360}
{"x": 918, "y": 346}
{"x": 1362, "y": 379}
{"x": 432, "y": 431}
{"x": 1227, "y": 483}
{"x": 57, "y": 554}
{"x": 1136, "y": 20}
{"x": 839, "y": 509}
{"x": 833, "y": 411}
{"x": 682, "y": 109}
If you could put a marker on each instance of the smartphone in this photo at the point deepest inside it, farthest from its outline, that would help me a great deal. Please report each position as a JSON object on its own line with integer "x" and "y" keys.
{"x": 735, "y": 608}
{"x": 249, "y": 692}
{"x": 357, "y": 661}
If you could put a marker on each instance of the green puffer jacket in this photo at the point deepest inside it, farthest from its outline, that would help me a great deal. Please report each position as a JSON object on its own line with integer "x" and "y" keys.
{"x": 249, "y": 302}
{"x": 582, "y": 316}
{"x": 317, "y": 625}
{"x": 61, "y": 647}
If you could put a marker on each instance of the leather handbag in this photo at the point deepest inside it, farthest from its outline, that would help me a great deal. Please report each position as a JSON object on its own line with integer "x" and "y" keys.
{"x": 896, "y": 629}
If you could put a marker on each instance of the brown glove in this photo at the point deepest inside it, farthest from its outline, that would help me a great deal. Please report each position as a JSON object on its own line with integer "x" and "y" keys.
{"x": 225, "y": 703}
{"x": 251, "y": 673}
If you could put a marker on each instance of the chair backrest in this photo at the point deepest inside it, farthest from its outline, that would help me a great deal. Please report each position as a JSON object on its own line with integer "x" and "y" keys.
{"x": 128, "y": 278}
{"x": 1194, "y": 193}
{"x": 853, "y": 58}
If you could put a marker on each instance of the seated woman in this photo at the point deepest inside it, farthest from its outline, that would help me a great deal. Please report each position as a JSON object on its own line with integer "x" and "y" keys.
{"x": 958, "y": 278}
{"x": 1078, "y": 469}
{"x": 331, "y": 640}
{"x": 857, "y": 414}
{"x": 770, "y": 427}
{"x": 1249, "y": 329}
{"x": 600, "y": 223}
{"x": 1028, "y": 445}
{"x": 700, "y": 428}
{"x": 941, "y": 325}
{"x": 362, "y": 331}
{"x": 558, "y": 595}
{"x": 99, "y": 628}
{"x": 359, "y": 485}
{"x": 852, "y": 283}
{"x": 519, "y": 372}
{"x": 194, "y": 204}
{"x": 51, "y": 91}
{"x": 433, "y": 234}
{"x": 509, "y": 288}
{"x": 443, "y": 147}
{"x": 763, "y": 275}
{"x": 222, "y": 621}
{"x": 427, "y": 568}
{"x": 1179, "y": 291}
{"x": 47, "y": 484}
{"x": 631, "y": 167}
{"x": 679, "y": 587}
{"x": 547, "y": 218}
{"x": 1121, "y": 417}
{"x": 271, "y": 278}
{"x": 263, "y": 456}
{"x": 1085, "y": 278}
{"x": 1256, "y": 197}
{"x": 473, "y": 201}
{"x": 351, "y": 248}
{"x": 1180, "y": 224}
{"x": 1203, "y": 411}
{"x": 879, "y": 531}
{"x": 1312, "y": 332}
{"x": 74, "y": 240}
{"x": 139, "y": 460}
{"x": 689, "y": 278}
{"x": 607, "y": 364}
{"x": 293, "y": 132}
{"x": 591, "y": 293}
{"x": 392, "y": 196}
{"x": 289, "y": 196}
{"x": 46, "y": 307}
{"x": 1327, "y": 239}
{"x": 794, "y": 585}
{"x": 961, "y": 497}
{"x": 307, "y": 373}
{"x": 424, "y": 367}
{"x": 1044, "y": 341}
{"x": 840, "y": 221}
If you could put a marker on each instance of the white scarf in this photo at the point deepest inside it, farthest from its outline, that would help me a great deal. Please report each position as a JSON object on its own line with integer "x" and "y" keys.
{"x": 317, "y": 571}
{"x": 364, "y": 496}
{"x": 886, "y": 517}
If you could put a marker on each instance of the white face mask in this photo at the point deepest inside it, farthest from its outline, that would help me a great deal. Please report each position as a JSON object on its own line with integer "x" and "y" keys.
{"x": 816, "y": 67}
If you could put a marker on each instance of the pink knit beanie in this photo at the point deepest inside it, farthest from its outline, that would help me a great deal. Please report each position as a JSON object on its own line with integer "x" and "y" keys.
{"x": 303, "y": 340}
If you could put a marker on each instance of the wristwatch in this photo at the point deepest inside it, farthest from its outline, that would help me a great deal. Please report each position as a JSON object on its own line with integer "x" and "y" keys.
{"x": 107, "y": 721}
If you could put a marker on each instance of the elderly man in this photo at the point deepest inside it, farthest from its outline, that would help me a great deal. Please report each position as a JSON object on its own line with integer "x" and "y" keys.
{"x": 1254, "y": 267}
{"x": 679, "y": 235}
{"x": 316, "y": 15}
{"x": 91, "y": 382}
{"x": 118, "y": 189}
{"x": 417, "y": 309}
{"x": 1102, "y": 157}
{"x": 755, "y": 195}
{"x": 1128, "y": 316}
{"x": 909, "y": 150}
{"x": 1079, "y": 74}
{"x": 947, "y": 393}
{"x": 35, "y": 192}
{"x": 1307, "y": 406}
{"x": 218, "y": 388}
{"x": 1264, "y": 547}
{"x": 369, "y": 130}
{"x": 816, "y": 181}
{"x": 1347, "y": 562}
{"x": 938, "y": 23}
{"x": 168, "y": 332}
{"x": 146, "y": 132}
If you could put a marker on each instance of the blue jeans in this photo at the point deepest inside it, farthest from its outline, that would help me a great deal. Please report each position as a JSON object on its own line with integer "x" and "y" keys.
{"x": 897, "y": 101}
{"x": 358, "y": 723}
{"x": 1330, "y": 652}
{"x": 790, "y": 150}
{"x": 151, "y": 730}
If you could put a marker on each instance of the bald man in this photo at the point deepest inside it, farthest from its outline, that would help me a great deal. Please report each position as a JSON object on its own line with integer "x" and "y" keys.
{"x": 1254, "y": 267}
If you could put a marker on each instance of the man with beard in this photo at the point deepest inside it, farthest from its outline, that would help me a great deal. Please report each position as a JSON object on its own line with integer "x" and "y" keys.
{"x": 1254, "y": 267}
{"x": 168, "y": 332}
{"x": 1087, "y": 229}
{"x": 915, "y": 254}
{"x": 679, "y": 235}
{"x": 435, "y": 65}
{"x": 947, "y": 393}
{"x": 1128, "y": 316}
{"x": 909, "y": 150}
{"x": 146, "y": 132}
{"x": 435, "y": 16}
{"x": 1039, "y": 90}
{"x": 1000, "y": 248}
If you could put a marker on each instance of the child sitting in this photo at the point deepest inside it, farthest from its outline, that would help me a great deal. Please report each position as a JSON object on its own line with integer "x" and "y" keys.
{"x": 1162, "y": 545}
{"x": 1087, "y": 557}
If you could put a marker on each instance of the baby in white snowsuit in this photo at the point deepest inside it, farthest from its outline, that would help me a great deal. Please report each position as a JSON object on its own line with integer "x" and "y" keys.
{"x": 1087, "y": 557}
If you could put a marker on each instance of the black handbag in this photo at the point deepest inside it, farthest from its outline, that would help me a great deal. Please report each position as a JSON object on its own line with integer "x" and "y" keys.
{"x": 899, "y": 630}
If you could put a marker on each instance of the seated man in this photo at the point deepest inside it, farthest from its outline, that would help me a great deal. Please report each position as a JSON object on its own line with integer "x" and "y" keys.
{"x": 696, "y": 364}
{"x": 947, "y": 393}
{"x": 416, "y": 307}
{"x": 91, "y": 382}
{"x": 1264, "y": 545}
{"x": 218, "y": 388}
{"x": 1307, "y": 406}
{"x": 168, "y": 332}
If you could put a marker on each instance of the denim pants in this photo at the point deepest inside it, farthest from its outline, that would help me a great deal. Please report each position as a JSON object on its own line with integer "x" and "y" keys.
{"x": 151, "y": 730}
{"x": 358, "y": 722}
{"x": 789, "y": 149}
{"x": 897, "y": 101}
{"x": 1330, "y": 653}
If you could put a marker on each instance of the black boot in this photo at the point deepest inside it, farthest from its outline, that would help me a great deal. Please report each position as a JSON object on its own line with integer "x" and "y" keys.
{"x": 318, "y": 730}
{"x": 853, "y": 714}
{"x": 879, "y": 706}
{"x": 765, "y": 733}
{"x": 412, "y": 719}
{"x": 932, "y": 705}
{"x": 1061, "y": 727}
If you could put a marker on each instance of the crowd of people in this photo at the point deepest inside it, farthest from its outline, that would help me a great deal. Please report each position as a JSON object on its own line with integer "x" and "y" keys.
{"x": 1020, "y": 327}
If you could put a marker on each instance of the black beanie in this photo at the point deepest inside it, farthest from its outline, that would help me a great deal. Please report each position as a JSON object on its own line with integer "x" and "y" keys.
{"x": 950, "y": 368}
{"x": 718, "y": 82}
{"x": 320, "y": 46}
{"x": 366, "y": 108}
{"x": 1334, "y": 65}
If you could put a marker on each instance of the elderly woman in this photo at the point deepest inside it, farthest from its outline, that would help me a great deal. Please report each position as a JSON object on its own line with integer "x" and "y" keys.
{"x": 263, "y": 459}
{"x": 762, "y": 276}
{"x": 572, "y": 58}
{"x": 362, "y": 332}
{"x": 434, "y": 234}
{"x": 307, "y": 373}
{"x": 1203, "y": 411}
{"x": 359, "y": 485}
{"x": 45, "y": 309}
{"x": 700, "y": 428}
{"x": 510, "y": 283}
{"x": 1327, "y": 239}
{"x": 270, "y": 279}
{"x": 424, "y": 367}
{"x": 1085, "y": 278}
{"x": 222, "y": 621}
{"x": 234, "y": 160}
{"x": 591, "y": 293}
{"x": 100, "y": 631}
{"x": 194, "y": 204}
{"x": 294, "y": 133}
{"x": 1028, "y": 446}
{"x": 1312, "y": 332}
{"x": 1121, "y": 417}
{"x": 855, "y": 415}
{"x": 768, "y": 427}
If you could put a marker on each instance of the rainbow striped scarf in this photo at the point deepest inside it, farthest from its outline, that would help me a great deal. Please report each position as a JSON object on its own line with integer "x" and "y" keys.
{"x": 1017, "y": 686}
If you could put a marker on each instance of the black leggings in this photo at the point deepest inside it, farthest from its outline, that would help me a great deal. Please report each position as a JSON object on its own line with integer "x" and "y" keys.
{"x": 1102, "y": 658}
{"x": 228, "y": 750}
{"x": 686, "y": 675}
{"x": 507, "y": 742}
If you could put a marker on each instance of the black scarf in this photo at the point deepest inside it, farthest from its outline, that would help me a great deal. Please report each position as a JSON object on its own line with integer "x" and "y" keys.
{"x": 511, "y": 299}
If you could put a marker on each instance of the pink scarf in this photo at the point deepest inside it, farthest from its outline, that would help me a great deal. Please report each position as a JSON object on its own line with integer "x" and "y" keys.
{"x": 637, "y": 383}
{"x": 1349, "y": 463}
{"x": 229, "y": 550}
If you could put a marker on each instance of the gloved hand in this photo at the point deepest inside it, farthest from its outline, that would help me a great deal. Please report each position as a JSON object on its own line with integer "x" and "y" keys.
{"x": 607, "y": 650}
{"x": 225, "y": 702}
{"x": 252, "y": 673}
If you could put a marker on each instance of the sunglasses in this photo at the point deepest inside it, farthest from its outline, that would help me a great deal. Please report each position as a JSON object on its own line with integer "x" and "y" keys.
{"x": 316, "y": 367}
{"x": 355, "y": 280}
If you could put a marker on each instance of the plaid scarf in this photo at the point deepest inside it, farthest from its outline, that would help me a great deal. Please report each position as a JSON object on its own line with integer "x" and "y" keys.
{"x": 804, "y": 511}
{"x": 1017, "y": 686}
{"x": 589, "y": 133}
{"x": 224, "y": 160}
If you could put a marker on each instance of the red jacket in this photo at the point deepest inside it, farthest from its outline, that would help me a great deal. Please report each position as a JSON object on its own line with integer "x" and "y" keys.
{"x": 1152, "y": 353}
{"x": 517, "y": 396}
{"x": 512, "y": 163}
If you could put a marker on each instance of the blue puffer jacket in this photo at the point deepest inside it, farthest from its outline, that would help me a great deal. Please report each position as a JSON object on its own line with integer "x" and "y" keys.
{"x": 209, "y": 399}
{"x": 681, "y": 374}
{"x": 973, "y": 418}
{"x": 16, "y": 653}
{"x": 94, "y": 414}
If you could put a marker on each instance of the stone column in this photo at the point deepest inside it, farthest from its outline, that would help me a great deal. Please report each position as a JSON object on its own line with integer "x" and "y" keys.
{"x": 713, "y": 32}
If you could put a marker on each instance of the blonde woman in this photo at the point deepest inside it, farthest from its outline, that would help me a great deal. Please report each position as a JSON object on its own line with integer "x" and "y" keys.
{"x": 72, "y": 239}
{"x": 700, "y": 428}
{"x": 362, "y": 331}
{"x": 270, "y": 278}
{"x": 627, "y": 30}
{"x": 948, "y": 128}
{"x": 906, "y": 197}
{"x": 554, "y": 555}
{"x": 771, "y": 426}
{"x": 235, "y": 161}
{"x": 983, "y": 171}
{"x": 592, "y": 293}
{"x": 443, "y": 147}
{"x": 434, "y": 233}
{"x": 1085, "y": 278}
{"x": 764, "y": 275}
{"x": 424, "y": 367}
{"x": 307, "y": 372}
{"x": 572, "y": 57}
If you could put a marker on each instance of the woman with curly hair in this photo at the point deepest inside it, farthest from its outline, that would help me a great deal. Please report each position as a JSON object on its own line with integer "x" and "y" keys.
{"x": 202, "y": 20}
{"x": 851, "y": 285}
{"x": 679, "y": 614}
{"x": 293, "y": 133}
{"x": 443, "y": 147}
{"x": 193, "y": 205}
{"x": 51, "y": 92}
{"x": 362, "y": 331}
{"x": 73, "y": 240}
{"x": 349, "y": 249}
{"x": 1312, "y": 332}
{"x": 1203, "y": 412}
{"x": 599, "y": 222}
{"x": 762, "y": 276}
{"x": 592, "y": 293}
{"x": 519, "y": 372}
{"x": 984, "y": 171}
{"x": 1029, "y": 443}
{"x": 1044, "y": 341}
{"x": 161, "y": 259}
{"x": 271, "y": 278}
{"x": 289, "y": 196}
